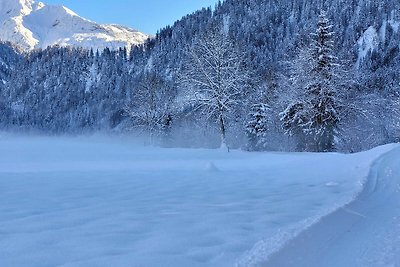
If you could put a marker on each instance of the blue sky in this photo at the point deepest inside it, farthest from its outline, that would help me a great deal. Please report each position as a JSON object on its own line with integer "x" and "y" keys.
{"x": 145, "y": 15}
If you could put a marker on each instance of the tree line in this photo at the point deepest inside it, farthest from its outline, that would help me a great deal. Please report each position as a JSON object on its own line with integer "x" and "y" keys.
{"x": 242, "y": 76}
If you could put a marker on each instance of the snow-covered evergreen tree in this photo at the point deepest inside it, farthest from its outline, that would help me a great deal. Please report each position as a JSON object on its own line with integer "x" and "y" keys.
{"x": 258, "y": 126}
{"x": 316, "y": 111}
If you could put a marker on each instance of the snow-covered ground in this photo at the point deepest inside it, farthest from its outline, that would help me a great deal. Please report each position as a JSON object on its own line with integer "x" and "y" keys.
{"x": 107, "y": 201}
{"x": 364, "y": 233}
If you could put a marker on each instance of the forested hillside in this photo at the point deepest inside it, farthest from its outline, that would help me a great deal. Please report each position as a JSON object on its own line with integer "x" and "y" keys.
{"x": 304, "y": 79}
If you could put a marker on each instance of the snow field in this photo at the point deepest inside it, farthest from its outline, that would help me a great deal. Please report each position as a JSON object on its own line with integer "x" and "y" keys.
{"x": 102, "y": 201}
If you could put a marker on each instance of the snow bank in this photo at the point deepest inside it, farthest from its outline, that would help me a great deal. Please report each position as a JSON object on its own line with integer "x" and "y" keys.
{"x": 366, "y": 232}
{"x": 107, "y": 202}
{"x": 260, "y": 253}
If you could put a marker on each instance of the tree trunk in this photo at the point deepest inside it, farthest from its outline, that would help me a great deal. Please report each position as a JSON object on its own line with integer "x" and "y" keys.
{"x": 223, "y": 132}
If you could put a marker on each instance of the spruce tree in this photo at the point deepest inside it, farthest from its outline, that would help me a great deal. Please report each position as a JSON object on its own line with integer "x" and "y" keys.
{"x": 315, "y": 114}
{"x": 258, "y": 126}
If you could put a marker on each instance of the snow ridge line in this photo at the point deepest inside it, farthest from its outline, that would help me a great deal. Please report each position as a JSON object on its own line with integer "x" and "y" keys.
{"x": 262, "y": 251}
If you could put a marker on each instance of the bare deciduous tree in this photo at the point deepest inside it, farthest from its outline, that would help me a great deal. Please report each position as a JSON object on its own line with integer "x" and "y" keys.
{"x": 151, "y": 108}
{"x": 215, "y": 74}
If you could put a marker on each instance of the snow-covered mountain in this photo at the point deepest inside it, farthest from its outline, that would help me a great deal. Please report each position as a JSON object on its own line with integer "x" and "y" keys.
{"x": 32, "y": 24}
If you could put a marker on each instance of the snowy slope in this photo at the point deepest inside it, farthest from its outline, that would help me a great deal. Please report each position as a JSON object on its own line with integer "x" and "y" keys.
{"x": 33, "y": 24}
{"x": 111, "y": 202}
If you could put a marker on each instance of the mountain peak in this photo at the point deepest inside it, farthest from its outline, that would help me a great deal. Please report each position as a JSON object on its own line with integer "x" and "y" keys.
{"x": 32, "y": 24}
{"x": 18, "y": 7}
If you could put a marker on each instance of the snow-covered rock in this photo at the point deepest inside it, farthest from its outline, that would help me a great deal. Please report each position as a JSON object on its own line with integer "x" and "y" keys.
{"x": 32, "y": 24}
{"x": 366, "y": 43}
{"x": 371, "y": 37}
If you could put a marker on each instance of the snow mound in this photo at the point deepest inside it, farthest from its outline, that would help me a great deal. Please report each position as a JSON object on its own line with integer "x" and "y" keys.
{"x": 31, "y": 25}
{"x": 210, "y": 167}
{"x": 331, "y": 184}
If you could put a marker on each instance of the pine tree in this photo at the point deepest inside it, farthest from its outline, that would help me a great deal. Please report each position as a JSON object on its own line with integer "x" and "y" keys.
{"x": 258, "y": 126}
{"x": 315, "y": 114}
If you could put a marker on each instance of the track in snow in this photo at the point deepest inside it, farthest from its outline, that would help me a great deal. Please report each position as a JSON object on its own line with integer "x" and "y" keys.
{"x": 365, "y": 232}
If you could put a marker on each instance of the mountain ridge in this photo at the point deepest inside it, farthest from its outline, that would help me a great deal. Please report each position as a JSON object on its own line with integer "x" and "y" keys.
{"x": 30, "y": 25}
